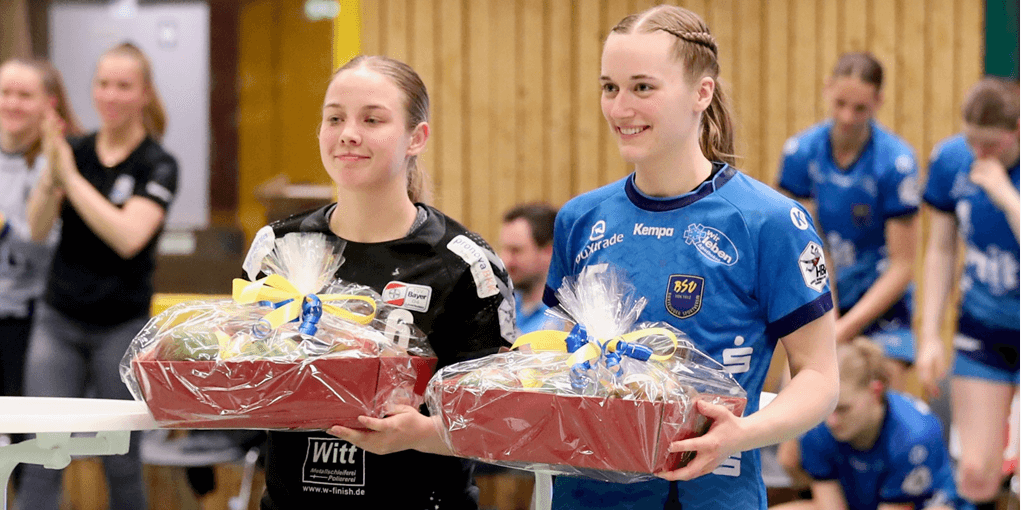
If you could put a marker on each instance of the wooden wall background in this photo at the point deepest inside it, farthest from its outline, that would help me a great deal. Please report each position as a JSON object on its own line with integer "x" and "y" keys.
{"x": 515, "y": 92}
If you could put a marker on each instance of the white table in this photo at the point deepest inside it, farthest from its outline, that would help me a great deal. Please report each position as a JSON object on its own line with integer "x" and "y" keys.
{"x": 54, "y": 419}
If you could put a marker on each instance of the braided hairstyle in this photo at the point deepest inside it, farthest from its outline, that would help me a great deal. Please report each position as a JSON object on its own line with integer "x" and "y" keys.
{"x": 696, "y": 49}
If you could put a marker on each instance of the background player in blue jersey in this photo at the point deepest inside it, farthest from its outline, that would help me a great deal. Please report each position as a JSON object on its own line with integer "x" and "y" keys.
{"x": 722, "y": 257}
{"x": 880, "y": 449}
{"x": 973, "y": 192}
{"x": 862, "y": 181}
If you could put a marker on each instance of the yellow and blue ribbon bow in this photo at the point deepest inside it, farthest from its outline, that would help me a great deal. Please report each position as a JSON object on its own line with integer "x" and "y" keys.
{"x": 291, "y": 304}
{"x": 586, "y": 349}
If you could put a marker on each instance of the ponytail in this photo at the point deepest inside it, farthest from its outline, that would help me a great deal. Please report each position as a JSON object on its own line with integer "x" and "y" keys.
{"x": 419, "y": 190}
{"x": 717, "y": 137}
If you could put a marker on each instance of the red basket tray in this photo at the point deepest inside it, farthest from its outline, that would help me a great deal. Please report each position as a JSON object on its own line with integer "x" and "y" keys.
{"x": 609, "y": 434}
{"x": 258, "y": 394}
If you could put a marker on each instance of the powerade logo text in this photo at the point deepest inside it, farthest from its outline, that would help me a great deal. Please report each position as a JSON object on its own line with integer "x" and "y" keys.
{"x": 711, "y": 243}
{"x": 599, "y": 241}
{"x": 598, "y": 245}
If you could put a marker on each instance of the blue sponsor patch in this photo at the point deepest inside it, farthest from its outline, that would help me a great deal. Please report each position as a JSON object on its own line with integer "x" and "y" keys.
{"x": 684, "y": 295}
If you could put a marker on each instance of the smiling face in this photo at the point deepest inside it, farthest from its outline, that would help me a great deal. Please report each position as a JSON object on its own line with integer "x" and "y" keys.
{"x": 23, "y": 102}
{"x": 119, "y": 90}
{"x": 852, "y": 103}
{"x": 364, "y": 140}
{"x": 651, "y": 106}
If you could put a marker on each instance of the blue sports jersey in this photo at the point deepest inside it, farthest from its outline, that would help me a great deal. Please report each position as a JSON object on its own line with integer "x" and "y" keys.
{"x": 854, "y": 203}
{"x": 733, "y": 264}
{"x": 528, "y": 321}
{"x": 908, "y": 463}
{"x": 989, "y": 284}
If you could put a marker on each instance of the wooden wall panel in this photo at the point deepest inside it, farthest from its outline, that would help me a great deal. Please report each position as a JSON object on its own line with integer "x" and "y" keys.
{"x": 515, "y": 94}
{"x": 284, "y": 64}
{"x": 531, "y": 160}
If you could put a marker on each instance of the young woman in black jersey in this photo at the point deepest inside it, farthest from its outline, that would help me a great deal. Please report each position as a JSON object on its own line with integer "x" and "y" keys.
{"x": 111, "y": 190}
{"x": 374, "y": 126}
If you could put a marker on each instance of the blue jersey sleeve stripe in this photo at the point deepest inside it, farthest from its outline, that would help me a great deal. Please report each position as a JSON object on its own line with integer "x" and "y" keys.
{"x": 549, "y": 297}
{"x": 905, "y": 213}
{"x": 803, "y": 315}
{"x": 947, "y": 208}
{"x": 793, "y": 192}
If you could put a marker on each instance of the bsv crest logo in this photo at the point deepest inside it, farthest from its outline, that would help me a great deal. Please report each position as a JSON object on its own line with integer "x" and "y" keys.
{"x": 712, "y": 244}
{"x": 684, "y": 295}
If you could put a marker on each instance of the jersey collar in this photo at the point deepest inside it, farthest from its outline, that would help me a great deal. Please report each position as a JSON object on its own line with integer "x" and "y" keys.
{"x": 654, "y": 204}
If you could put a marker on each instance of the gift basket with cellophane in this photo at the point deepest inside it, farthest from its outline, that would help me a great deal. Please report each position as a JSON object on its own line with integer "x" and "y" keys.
{"x": 296, "y": 349}
{"x": 603, "y": 401}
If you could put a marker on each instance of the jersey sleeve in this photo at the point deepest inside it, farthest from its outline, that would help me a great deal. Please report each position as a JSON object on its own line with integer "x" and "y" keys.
{"x": 899, "y": 187}
{"x": 818, "y": 457}
{"x": 793, "y": 280}
{"x": 793, "y": 171}
{"x": 477, "y": 318}
{"x": 160, "y": 185}
{"x": 942, "y": 166}
{"x": 560, "y": 264}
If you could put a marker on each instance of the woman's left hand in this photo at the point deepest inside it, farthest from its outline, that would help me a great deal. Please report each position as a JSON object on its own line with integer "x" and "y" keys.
{"x": 405, "y": 429}
{"x": 711, "y": 449}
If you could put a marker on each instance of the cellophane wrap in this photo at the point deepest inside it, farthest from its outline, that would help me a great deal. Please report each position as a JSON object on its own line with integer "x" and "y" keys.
{"x": 611, "y": 418}
{"x": 217, "y": 363}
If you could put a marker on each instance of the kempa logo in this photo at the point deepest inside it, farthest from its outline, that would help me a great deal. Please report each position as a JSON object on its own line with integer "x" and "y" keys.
{"x": 659, "y": 232}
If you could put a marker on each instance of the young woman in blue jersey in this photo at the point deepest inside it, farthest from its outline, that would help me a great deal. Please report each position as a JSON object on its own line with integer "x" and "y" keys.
{"x": 880, "y": 449}
{"x": 972, "y": 192}
{"x": 111, "y": 190}
{"x": 374, "y": 125}
{"x": 719, "y": 255}
{"x": 862, "y": 183}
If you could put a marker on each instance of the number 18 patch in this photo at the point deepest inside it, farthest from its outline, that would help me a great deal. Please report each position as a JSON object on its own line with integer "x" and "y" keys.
{"x": 684, "y": 295}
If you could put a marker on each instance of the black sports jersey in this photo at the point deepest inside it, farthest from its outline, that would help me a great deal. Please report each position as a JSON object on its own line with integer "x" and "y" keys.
{"x": 454, "y": 287}
{"x": 89, "y": 281}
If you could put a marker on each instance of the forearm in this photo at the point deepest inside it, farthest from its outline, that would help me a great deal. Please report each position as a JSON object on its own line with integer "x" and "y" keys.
{"x": 42, "y": 211}
{"x": 938, "y": 276}
{"x": 121, "y": 231}
{"x": 430, "y": 440}
{"x": 884, "y": 293}
{"x": 1009, "y": 201}
{"x": 804, "y": 402}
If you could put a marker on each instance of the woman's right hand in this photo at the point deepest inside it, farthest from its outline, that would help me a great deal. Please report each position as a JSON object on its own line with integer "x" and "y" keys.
{"x": 931, "y": 363}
